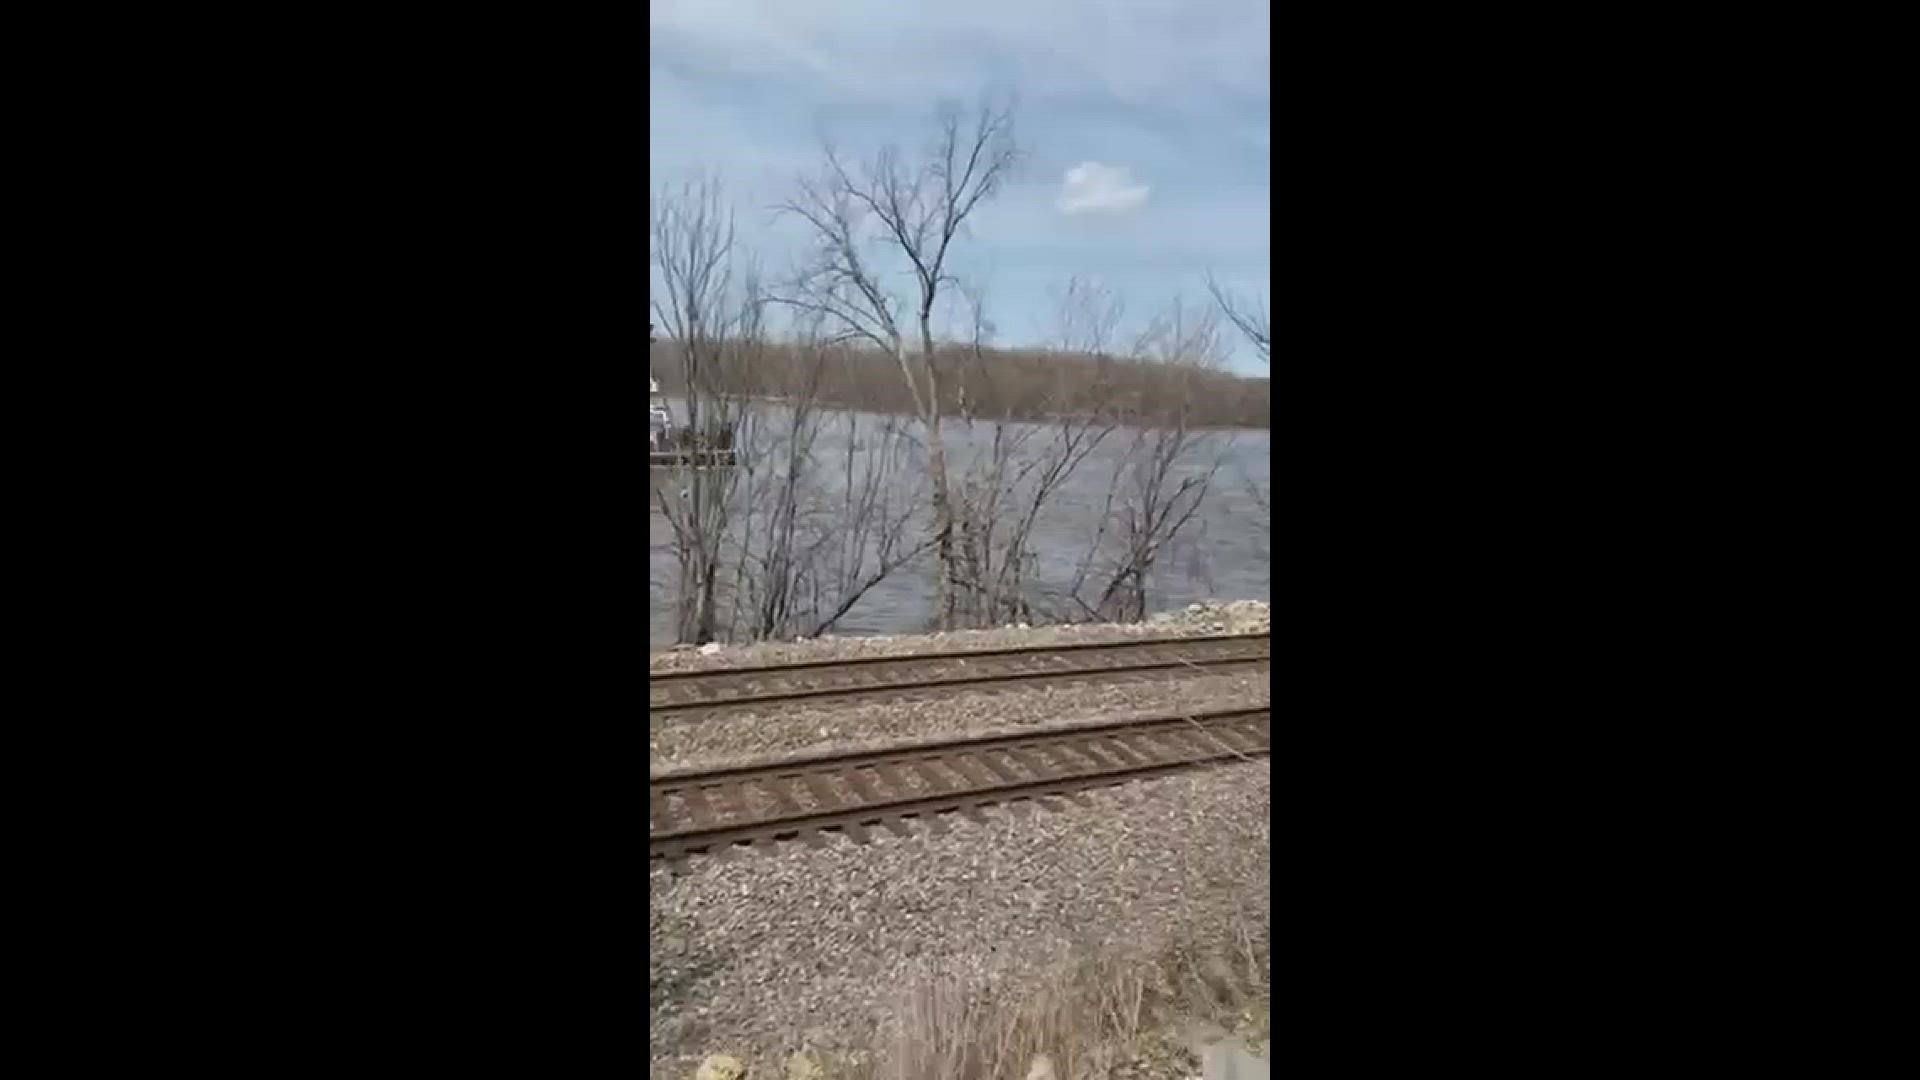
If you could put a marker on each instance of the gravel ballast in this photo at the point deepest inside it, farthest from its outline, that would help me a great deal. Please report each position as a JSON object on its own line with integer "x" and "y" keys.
{"x": 761, "y": 955}
{"x": 1196, "y": 620}
{"x": 727, "y": 739}
{"x": 799, "y": 947}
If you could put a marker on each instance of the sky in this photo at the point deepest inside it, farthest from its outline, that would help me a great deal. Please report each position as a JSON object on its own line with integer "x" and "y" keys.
{"x": 1144, "y": 126}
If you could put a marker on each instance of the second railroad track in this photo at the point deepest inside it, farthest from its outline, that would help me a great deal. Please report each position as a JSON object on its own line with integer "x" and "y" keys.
{"x": 753, "y": 688}
{"x": 806, "y": 799}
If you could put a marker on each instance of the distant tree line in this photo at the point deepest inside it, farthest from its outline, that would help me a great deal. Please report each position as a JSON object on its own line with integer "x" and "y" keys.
{"x": 990, "y": 384}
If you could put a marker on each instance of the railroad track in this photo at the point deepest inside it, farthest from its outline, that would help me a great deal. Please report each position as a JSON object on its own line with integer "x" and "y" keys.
{"x": 804, "y": 799}
{"x": 877, "y": 677}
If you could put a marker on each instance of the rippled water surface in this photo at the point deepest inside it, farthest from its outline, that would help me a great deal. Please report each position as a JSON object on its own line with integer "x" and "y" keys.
{"x": 1222, "y": 553}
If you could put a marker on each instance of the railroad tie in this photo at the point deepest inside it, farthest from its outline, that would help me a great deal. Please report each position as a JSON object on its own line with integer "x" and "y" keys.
{"x": 863, "y": 783}
{"x": 720, "y": 799}
{"x": 723, "y": 814}
{"x": 776, "y": 789}
{"x": 752, "y": 688}
{"x": 695, "y": 801}
{"x": 822, "y": 790}
{"x": 896, "y": 774}
{"x": 1001, "y": 773}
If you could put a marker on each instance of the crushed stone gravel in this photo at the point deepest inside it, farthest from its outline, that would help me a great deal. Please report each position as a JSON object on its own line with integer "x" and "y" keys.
{"x": 721, "y": 740}
{"x": 760, "y": 955}
{"x": 1195, "y": 620}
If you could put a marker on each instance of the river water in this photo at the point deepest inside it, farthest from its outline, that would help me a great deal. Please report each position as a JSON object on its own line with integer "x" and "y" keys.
{"x": 1221, "y": 553}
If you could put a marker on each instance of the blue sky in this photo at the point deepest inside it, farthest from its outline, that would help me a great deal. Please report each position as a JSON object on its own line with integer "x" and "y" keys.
{"x": 1145, "y": 125}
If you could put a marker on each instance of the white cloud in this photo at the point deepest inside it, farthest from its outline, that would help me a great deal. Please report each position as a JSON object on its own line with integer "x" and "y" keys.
{"x": 1093, "y": 188}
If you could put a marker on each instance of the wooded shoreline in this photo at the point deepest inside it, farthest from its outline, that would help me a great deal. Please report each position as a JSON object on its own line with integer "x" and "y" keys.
{"x": 991, "y": 384}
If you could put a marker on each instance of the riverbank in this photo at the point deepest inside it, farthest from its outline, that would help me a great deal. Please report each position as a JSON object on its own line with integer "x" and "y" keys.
{"x": 1020, "y": 385}
{"x": 1195, "y": 620}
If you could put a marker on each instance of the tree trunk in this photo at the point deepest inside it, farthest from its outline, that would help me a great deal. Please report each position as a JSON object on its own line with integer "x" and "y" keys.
{"x": 937, "y": 464}
{"x": 943, "y": 527}
{"x": 704, "y": 633}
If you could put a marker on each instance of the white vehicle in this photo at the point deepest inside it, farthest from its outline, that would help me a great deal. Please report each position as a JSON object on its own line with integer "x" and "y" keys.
{"x": 659, "y": 419}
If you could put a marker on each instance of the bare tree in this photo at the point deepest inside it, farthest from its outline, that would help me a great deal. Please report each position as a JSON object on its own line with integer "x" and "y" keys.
{"x": 706, "y": 320}
{"x": 914, "y": 212}
{"x": 1250, "y": 318}
{"x": 1157, "y": 485}
{"x": 1026, "y": 464}
{"x": 825, "y": 525}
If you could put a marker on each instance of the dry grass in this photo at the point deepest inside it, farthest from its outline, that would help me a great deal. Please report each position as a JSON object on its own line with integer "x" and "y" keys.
{"x": 1110, "y": 1015}
{"x": 1008, "y": 933}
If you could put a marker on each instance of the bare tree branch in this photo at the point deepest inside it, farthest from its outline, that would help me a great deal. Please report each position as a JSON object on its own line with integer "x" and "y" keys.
{"x": 706, "y": 319}
{"x": 1250, "y": 317}
{"x": 919, "y": 210}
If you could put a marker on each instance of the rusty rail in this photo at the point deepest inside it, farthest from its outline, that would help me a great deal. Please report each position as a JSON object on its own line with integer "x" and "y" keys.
{"x": 721, "y": 811}
{"x": 895, "y": 676}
